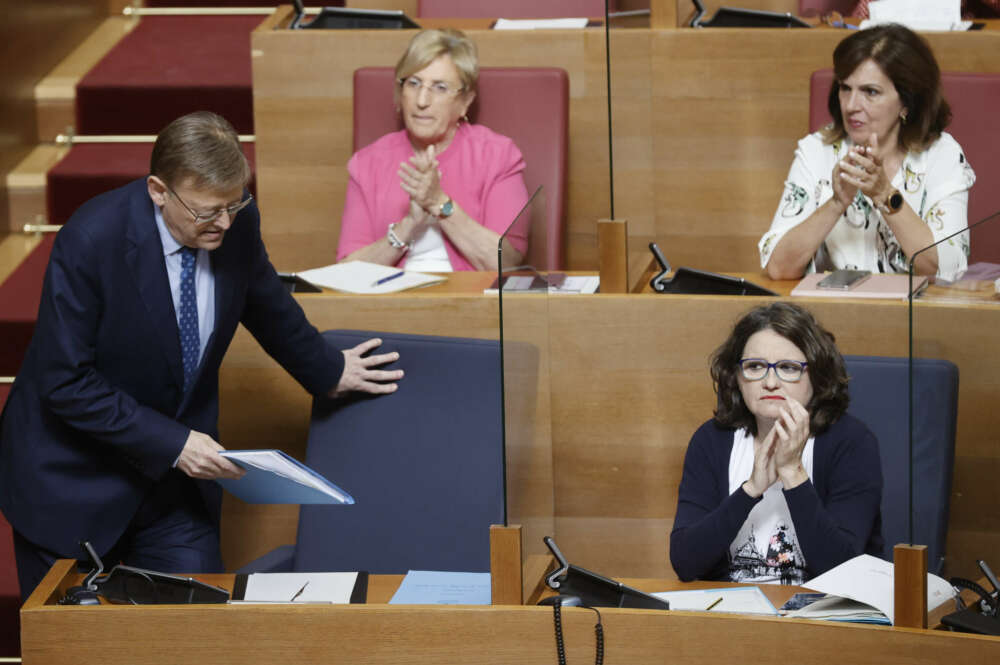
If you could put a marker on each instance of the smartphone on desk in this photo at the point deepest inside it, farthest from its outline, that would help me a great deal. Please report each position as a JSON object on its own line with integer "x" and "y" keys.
{"x": 843, "y": 279}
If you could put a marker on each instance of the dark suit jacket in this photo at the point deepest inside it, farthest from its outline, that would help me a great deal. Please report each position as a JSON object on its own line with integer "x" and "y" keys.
{"x": 98, "y": 414}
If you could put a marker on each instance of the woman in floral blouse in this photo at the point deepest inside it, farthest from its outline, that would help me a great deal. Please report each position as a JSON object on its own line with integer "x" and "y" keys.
{"x": 884, "y": 180}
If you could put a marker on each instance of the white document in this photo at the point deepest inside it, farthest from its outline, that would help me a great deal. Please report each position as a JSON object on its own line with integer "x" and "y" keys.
{"x": 539, "y": 23}
{"x": 869, "y": 580}
{"x": 741, "y": 600}
{"x": 918, "y": 14}
{"x": 364, "y": 277}
{"x": 577, "y": 284}
{"x": 300, "y": 588}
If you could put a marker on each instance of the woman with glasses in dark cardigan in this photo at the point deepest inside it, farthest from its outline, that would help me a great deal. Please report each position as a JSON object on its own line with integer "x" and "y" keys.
{"x": 782, "y": 484}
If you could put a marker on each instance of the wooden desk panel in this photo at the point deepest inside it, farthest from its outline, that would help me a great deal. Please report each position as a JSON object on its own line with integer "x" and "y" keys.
{"x": 623, "y": 383}
{"x": 237, "y": 634}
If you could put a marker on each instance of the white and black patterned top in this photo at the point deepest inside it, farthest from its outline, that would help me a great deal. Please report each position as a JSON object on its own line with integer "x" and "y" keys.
{"x": 935, "y": 183}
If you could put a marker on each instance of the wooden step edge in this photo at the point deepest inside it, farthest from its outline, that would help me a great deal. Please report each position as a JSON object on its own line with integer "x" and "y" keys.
{"x": 55, "y": 94}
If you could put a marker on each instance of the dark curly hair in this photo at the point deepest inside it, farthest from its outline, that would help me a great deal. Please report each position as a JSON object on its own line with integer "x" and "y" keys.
{"x": 908, "y": 61}
{"x": 825, "y": 366}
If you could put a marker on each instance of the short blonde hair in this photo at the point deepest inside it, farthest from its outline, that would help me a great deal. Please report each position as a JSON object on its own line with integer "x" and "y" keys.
{"x": 428, "y": 45}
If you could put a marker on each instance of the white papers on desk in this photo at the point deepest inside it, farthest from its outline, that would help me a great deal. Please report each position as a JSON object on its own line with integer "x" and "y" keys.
{"x": 536, "y": 284}
{"x": 431, "y": 587}
{"x": 917, "y": 14}
{"x": 361, "y": 277}
{"x": 836, "y": 608}
{"x": 540, "y": 24}
{"x": 741, "y": 600}
{"x": 869, "y": 580}
{"x": 333, "y": 588}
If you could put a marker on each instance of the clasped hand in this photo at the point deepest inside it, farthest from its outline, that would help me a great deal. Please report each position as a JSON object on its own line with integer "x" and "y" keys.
{"x": 778, "y": 454}
{"x": 420, "y": 177}
{"x": 861, "y": 170}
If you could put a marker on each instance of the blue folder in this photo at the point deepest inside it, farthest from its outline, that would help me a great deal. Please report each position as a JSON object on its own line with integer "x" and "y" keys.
{"x": 264, "y": 486}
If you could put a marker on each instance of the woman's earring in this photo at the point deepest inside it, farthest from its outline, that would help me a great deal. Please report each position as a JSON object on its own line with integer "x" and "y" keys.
{"x": 465, "y": 118}
{"x": 902, "y": 116}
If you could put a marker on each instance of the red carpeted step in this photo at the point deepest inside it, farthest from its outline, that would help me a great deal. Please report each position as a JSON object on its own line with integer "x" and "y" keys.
{"x": 89, "y": 169}
{"x": 20, "y": 294}
{"x": 166, "y": 67}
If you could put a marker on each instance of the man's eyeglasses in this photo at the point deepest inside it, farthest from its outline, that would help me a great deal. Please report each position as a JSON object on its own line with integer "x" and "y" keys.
{"x": 438, "y": 89}
{"x": 207, "y": 217}
{"x": 755, "y": 369}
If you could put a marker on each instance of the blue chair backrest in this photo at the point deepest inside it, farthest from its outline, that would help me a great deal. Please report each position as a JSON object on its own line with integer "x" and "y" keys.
{"x": 424, "y": 463}
{"x": 878, "y": 389}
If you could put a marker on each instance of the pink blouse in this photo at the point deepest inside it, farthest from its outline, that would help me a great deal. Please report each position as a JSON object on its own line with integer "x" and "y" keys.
{"x": 481, "y": 171}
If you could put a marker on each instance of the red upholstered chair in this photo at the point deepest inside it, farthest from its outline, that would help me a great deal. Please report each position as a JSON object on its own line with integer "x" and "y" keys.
{"x": 974, "y": 99}
{"x": 821, "y": 7}
{"x": 530, "y": 105}
{"x": 511, "y": 8}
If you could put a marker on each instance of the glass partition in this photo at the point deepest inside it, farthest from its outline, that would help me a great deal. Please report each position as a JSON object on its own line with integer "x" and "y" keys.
{"x": 954, "y": 380}
{"x": 522, "y": 296}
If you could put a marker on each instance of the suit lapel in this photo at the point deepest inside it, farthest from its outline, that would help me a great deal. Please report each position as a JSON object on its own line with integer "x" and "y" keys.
{"x": 144, "y": 257}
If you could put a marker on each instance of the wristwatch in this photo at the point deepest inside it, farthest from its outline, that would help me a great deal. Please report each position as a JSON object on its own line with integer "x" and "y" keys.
{"x": 446, "y": 208}
{"x": 892, "y": 204}
{"x": 394, "y": 239}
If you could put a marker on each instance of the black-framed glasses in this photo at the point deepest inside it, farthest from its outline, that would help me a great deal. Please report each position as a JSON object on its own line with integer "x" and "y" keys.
{"x": 207, "y": 217}
{"x": 438, "y": 89}
{"x": 755, "y": 369}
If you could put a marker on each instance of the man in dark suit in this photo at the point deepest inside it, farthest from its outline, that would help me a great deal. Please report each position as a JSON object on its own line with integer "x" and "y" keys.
{"x": 109, "y": 433}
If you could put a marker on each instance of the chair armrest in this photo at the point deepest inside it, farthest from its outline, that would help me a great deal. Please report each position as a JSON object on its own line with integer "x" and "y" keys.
{"x": 278, "y": 560}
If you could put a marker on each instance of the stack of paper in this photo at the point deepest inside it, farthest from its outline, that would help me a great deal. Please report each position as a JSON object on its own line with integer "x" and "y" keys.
{"x": 869, "y": 580}
{"x": 835, "y": 608}
{"x": 917, "y": 14}
{"x": 539, "y": 23}
{"x": 368, "y": 278}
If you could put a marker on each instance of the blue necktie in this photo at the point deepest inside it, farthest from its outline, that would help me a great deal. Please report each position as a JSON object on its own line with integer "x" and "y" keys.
{"x": 188, "y": 320}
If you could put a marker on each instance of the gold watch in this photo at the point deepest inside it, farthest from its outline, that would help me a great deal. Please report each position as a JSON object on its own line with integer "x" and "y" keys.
{"x": 892, "y": 203}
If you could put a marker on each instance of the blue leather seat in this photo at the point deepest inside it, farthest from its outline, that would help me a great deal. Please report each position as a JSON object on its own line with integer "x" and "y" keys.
{"x": 424, "y": 465}
{"x": 879, "y": 398}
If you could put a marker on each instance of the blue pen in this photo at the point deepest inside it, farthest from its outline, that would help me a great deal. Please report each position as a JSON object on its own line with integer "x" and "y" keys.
{"x": 379, "y": 282}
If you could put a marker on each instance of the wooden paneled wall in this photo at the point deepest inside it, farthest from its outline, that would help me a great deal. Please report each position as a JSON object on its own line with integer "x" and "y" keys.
{"x": 34, "y": 37}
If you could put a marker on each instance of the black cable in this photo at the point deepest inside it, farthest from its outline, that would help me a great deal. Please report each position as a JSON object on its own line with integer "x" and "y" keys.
{"x": 560, "y": 648}
{"x": 599, "y": 639}
{"x": 598, "y": 635}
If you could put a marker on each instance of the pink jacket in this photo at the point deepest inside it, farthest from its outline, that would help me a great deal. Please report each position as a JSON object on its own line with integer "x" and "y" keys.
{"x": 481, "y": 171}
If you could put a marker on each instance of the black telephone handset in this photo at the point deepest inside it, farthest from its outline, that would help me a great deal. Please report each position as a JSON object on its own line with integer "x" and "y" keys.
{"x": 987, "y": 619}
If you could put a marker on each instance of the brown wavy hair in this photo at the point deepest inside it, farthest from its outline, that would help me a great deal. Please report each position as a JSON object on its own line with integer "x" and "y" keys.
{"x": 826, "y": 369}
{"x": 908, "y": 61}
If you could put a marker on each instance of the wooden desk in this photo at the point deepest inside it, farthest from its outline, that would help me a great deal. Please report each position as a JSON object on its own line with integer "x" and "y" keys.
{"x": 622, "y": 384}
{"x": 375, "y": 633}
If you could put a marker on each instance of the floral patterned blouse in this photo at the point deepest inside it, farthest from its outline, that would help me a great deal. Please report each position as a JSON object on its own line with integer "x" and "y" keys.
{"x": 935, "y": 183}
